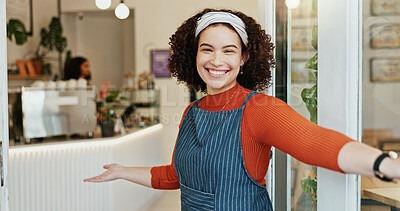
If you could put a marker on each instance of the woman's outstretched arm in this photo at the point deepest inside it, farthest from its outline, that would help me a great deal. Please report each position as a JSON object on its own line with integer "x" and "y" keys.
{"x": 138, "y": 175}
{"x": 358, "y": 158}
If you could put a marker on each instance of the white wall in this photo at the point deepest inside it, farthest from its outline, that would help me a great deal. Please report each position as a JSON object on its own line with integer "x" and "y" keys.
{"x": 381, "y": 101}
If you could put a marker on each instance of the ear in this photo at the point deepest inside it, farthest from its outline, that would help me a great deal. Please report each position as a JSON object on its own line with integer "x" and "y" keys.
{"x": 245, "y": 57}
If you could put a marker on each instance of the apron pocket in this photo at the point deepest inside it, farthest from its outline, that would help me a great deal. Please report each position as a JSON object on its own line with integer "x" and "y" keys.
{"x": 194, "y": 200}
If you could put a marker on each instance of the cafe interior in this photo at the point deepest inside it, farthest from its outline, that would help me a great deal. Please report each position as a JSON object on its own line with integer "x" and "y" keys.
{"x": 128, "y": 111}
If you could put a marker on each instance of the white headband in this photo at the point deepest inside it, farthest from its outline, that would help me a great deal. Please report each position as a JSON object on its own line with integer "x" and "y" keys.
{"x": 222, "y": 17}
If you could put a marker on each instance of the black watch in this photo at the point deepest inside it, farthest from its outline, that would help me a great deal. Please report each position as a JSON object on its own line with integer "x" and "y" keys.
{"x": 378, "y": 161}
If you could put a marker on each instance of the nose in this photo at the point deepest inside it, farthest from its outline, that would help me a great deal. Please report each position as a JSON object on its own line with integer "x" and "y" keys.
{"x": 216, "y": 60}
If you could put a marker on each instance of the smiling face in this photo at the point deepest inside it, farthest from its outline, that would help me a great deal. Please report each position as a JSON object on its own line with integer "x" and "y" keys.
{"x": 219, "y": 57}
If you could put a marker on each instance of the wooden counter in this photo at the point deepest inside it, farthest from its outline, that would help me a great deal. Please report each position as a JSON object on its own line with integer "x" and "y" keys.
{"x": 389, "y": 196}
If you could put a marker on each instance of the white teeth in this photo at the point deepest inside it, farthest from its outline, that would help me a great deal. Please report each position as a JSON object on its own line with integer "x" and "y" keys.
{"x": 217, "y": 72}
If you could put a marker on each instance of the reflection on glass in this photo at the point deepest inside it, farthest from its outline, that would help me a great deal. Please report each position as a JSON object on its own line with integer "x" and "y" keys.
{"x": 302, "y": 79}
{"x": 381, "y": 88}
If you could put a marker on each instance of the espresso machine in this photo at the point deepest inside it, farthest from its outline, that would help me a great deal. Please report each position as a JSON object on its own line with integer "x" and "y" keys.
{"x": 41, "y": 112}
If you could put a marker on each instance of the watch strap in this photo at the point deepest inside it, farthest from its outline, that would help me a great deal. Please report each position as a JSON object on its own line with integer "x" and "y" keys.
{"x": 377, "y": 163}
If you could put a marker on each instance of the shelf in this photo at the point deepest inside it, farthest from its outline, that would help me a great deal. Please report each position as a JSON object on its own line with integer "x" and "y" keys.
{"x": 37, "y": 77}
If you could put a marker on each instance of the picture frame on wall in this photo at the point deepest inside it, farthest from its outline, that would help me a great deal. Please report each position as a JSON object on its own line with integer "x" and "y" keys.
{"x": 299, "y": 72}
{"x": 159, "y": 61}
{"x": 301, "y": 38}
{"x": 385, "y": 69}
{"x": 21, "y": 10}
{"x": 385, "y": 7}
{"x": 385, "y": 36}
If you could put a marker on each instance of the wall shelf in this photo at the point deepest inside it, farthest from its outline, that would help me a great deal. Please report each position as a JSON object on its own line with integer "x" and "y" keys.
{"x": 37, "y": 77}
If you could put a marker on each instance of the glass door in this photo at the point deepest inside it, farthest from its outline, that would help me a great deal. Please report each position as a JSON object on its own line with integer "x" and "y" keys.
{"x": 318, "y": 74}
{"x": 302, "y": 93}
{"x": 296, "y": 83}
{"x": 381, "y": 95}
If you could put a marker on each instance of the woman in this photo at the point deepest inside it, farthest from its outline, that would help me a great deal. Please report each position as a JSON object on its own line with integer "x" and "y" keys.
{"x": 76, "y": 68}
{"x": 222, "y": 151}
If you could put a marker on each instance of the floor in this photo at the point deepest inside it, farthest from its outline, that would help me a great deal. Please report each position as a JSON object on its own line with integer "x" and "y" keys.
{"x": 169, "y": 201}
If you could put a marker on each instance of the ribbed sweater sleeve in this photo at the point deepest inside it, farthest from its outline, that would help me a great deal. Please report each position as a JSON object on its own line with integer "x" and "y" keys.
{"x": 273, "y": 122}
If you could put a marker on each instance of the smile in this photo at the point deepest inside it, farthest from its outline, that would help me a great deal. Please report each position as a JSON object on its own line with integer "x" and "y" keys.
{"x": 217, "y": 72}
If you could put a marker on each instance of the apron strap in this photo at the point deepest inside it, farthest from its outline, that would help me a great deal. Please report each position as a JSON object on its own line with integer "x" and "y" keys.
{"x": 194, "y": 105}
{"x": 248, "y": 98}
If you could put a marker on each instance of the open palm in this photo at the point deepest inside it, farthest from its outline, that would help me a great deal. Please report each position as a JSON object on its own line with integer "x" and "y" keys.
{"x": 109, "y": 175}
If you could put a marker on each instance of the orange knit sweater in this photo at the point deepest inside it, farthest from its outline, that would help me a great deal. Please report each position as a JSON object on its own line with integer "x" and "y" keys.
{"x": 267, "y": 121}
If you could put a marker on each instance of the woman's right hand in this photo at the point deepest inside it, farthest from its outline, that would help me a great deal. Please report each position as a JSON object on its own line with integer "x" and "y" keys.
{"x": 113, "y": 172}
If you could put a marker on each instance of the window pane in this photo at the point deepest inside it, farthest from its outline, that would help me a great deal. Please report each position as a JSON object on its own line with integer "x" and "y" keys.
{"x": 381, "y": 92}
{"x": 302, "y": 80}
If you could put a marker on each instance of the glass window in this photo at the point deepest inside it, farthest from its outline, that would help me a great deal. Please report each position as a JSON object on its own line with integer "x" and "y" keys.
{"x": 303, "y": 62}
{"x": 301, "y": 79}
{"x": 381, "y": 92}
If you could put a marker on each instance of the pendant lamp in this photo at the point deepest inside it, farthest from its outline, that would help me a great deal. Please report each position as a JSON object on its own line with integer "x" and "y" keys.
{"x": 122, "y": 11}
{"x": 103, "y": 4}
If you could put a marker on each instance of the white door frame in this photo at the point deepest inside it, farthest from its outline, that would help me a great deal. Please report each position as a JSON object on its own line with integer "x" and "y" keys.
{"x": 339, "y": 93}
{"x": 266, "y": 18}
{"x": 3, "y": 107}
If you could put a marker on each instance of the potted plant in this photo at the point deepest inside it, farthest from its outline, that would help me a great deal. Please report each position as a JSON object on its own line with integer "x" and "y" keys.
{"x": 50, "y": 39}
{"x": 106, "y": 115}
{"x": 16, "y": 29}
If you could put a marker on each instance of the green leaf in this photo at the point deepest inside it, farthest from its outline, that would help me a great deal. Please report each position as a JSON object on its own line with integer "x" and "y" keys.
{"x": 313, "y": 62}
{"x": 17, "y": 28}
{"x": 112, "y": 95}
{"x": 309, "y": 186}
{"x": 51, "y": 39}
{"x": 314, "y": 41}
{"x": 309, "y": 96}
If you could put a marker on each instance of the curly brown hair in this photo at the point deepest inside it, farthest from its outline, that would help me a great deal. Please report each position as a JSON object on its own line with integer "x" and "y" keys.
{"x": 256, "y": 71}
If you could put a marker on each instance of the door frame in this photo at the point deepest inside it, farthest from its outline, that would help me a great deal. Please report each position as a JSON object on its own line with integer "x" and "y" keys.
{"x": 339, "y": 93}
{"x": 266, "y": 18}
{"x": 4, "y": 138}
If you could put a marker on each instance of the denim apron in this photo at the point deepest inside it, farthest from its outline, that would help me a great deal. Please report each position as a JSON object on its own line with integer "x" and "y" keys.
{"x": 209, "y": 162}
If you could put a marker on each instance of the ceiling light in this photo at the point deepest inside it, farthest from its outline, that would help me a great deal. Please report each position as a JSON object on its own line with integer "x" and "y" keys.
{"x": 122, "y": 11}
{"x": 103, "y": 4}
{"x": 292, "y": 4}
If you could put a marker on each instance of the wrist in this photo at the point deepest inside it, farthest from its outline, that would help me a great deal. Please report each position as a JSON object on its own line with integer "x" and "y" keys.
{"x": 385, "y": 166}
{"x": 121, "y": 172}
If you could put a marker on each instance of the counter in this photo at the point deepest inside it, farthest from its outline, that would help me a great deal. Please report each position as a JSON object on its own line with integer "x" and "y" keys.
{"x": 49, "y": 176}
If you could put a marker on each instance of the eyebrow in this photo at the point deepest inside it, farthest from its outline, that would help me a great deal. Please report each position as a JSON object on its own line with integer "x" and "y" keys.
{"x": 226, "y": 46}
